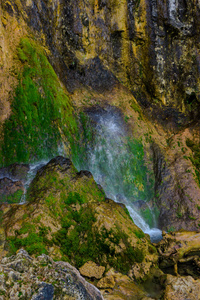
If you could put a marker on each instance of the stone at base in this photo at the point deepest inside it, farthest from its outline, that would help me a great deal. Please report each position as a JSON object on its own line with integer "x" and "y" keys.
{"x": 90, "y": 269}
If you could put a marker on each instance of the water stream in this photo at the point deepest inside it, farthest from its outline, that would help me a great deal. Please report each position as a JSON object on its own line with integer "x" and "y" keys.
{"x": 33, "y": 168}
{"x": 117, "y": 164}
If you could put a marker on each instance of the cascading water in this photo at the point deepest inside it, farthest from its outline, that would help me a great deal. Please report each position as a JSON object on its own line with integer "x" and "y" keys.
{"x": 30, "y": 175}
{"x": 117, "y": 164}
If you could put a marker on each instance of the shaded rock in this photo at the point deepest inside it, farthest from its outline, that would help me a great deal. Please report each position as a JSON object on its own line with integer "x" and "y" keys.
{"x": 15, "y": 171}
{"x": 177, "y": 191}
{"x": 10, "y": 191}
{"x": 124, "y": 288}
{"x": 45, "y": 292}
{"x": 180, "y": 253}
{"x": 181, "y": 288}
{"x": 90, "y": 269}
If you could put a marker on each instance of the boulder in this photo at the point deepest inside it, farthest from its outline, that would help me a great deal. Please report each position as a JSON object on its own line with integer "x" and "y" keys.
{"x": 181, "y": 288}
{"x": 43, "y": 279}
{"x": 124, "y": 287}
{"x": 107, "y": 282}
{"x": 90, "y": 269}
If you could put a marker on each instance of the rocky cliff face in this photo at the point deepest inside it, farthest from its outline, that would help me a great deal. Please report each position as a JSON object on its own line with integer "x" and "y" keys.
{"x": 57, "y": 60}
{"x": 150, "y": 46}
{"x": 106, "y": 51}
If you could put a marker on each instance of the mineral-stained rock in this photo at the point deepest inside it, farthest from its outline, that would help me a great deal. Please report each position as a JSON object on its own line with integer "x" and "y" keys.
{"x": 43, "y": 279}
{"x": 90, "y": 269}
{"x": 130, "y": 38}
{"x": 181, "y": 288}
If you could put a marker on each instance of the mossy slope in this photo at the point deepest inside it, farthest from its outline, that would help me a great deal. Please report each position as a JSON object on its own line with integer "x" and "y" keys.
{"x": 41, "y": 110}
{"x": 69, "y": 217}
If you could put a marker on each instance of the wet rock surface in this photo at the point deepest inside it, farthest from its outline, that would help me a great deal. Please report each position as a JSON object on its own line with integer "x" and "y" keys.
{"x": 15, "y": 171}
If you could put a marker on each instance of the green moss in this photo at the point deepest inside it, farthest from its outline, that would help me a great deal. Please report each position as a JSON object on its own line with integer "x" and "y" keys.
{"x": 171, "y": 229}
{"x": 80, "y": 241}
{"x": 195, "y": 157}
{"x": 51, "y": 202}
{"x": 81, "y": 141}
{"x": 73, "y": 198}
{"x": 136, "y": 108}
{"x": 179, "y": 214}
{"x": 192, "y": 218}
{"x": 127, "y": 212}
{"x": 40, "y": 110}
{"x": 12, "y": 198}
{"x": 35, "y": 242}
{"x": 139, "y": 234}
{"x": 59, "y": 191}
{"x": 148, "y": 216}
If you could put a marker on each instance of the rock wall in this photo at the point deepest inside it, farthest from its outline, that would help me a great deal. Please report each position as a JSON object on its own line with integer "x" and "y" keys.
{"x": 150, "y": 46}
{"x": 113, "y": 49}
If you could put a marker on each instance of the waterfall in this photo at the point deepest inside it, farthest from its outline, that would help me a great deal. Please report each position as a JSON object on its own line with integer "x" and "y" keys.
{"x": 117, "y": 164}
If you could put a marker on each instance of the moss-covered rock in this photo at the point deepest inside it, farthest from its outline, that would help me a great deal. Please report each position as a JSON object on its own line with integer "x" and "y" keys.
{"x": 40, "y": 111}
{"x": 68, "y": 216}
{"x": 10, "y": 191}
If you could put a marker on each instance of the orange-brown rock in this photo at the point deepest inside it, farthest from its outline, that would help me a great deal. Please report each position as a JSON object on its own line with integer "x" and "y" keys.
{"x": 107, "y": 282}
{"x": 181, "y": 288}
{"x": 90, "y": 269}
{"x": 180, "y": 253}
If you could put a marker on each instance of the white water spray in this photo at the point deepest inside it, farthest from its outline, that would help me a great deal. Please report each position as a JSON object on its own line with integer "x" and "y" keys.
{"x": 30, "y": 175}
